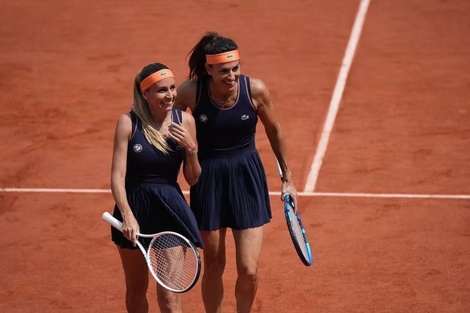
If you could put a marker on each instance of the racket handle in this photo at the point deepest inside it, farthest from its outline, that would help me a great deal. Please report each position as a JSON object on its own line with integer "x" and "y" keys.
{"x": 112, "y": 220}
{"x": 279, "y": 168}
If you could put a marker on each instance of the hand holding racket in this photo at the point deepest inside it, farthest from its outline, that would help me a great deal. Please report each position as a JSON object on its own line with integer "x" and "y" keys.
{"x": 296, "y": 228}
{"x": 172, "y": 259}
{"x": 287, "y": 187}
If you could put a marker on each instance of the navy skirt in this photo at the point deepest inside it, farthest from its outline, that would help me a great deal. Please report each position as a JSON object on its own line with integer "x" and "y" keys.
{"x": 232, "y": 192}
{"x": 157, "y": 208}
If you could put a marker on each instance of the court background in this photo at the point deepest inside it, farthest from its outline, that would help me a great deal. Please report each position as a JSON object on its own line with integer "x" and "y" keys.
{"x": 66, "y": 73}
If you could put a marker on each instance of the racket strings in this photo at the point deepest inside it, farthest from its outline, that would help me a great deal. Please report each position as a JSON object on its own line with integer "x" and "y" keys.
{"x": 299, "y": 234}
{"x": 173, "y": 261}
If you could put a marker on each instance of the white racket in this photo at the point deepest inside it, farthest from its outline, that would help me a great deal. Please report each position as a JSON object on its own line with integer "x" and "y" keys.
{"x": 172, "y": 259}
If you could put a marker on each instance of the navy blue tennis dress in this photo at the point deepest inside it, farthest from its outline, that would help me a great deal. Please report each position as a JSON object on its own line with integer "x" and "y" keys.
{"x": 152, "y": 190}
{"x": 232, "y": 190}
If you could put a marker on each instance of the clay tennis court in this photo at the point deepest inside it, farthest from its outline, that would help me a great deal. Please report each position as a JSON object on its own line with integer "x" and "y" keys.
{"x": 387, "y": 210}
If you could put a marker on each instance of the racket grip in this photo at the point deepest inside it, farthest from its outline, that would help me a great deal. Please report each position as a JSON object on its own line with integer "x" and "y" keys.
{"x": 112, "y": 220}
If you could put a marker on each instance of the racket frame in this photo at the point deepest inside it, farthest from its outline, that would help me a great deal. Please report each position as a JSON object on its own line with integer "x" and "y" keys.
{"x": 294, "y": 217}
{"x": 290, "y": 214}
{"x": 118, "y": 225}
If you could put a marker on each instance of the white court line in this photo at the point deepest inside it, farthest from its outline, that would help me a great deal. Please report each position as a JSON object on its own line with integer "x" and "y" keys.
{"x": 337, "y": 95}
{"x": 271, "y": 193}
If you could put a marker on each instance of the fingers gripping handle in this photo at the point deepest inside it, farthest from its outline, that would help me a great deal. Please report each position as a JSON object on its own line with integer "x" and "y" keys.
{"x": 118, "y": 224}
{"x": 111, "y": 220}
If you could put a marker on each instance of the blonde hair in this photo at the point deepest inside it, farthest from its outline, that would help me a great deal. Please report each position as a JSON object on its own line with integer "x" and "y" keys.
{"x": 141, "y": 109}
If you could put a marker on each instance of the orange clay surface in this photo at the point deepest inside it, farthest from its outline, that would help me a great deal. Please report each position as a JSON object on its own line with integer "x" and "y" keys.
{"x": 66, "y": 73}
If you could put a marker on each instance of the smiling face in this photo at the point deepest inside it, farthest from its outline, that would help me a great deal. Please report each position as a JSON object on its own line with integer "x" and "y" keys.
{"x": 225, "y": 75}
{"x": 161, "y": 95}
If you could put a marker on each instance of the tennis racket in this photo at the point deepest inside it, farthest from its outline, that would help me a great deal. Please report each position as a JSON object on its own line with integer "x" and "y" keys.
{"x": 296, "y": 228}
{"x": 297, "y": 231}
{"x": 172, "y": 259}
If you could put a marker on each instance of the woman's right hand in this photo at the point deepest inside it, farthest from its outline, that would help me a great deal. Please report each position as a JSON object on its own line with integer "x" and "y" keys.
{"x": 130, "y": 229}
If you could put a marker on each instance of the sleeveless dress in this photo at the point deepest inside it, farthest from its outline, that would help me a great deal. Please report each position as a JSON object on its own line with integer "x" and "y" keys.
{"x": 232, "y": 190}
{"x": 152, "y": 190}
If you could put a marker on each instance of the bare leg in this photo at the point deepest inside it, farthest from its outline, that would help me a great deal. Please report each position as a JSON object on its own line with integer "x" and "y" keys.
{"x": 214, "y": 265}
{"x": 168, "y": 302}
{"x": 248, "y": 243}
{"x": 137, "y": 280}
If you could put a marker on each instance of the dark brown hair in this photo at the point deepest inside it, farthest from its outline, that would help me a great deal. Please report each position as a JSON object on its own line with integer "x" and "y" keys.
{"x": 210, "y": 43}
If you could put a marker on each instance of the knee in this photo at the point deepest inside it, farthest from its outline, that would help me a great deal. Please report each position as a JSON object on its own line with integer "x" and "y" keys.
{"x": 214, "y": 266}
{"x": 136, "y": 288}
{"x": 168, "y": 301}
{"x": 248, "y": 273}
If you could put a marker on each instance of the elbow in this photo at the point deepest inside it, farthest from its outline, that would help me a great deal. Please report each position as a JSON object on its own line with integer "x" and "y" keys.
{"x": 193, "y": 179}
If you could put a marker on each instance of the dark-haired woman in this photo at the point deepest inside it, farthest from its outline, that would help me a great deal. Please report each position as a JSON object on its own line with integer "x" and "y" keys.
{"x": 232, "y": 190}
{"x": 150, "y": 144}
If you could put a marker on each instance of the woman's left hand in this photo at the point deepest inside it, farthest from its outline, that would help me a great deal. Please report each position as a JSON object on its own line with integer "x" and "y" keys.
{"x": 181, "y": 136}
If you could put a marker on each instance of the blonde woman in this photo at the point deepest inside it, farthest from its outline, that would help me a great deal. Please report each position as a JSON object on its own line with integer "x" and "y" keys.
{"x": 151, "y": 143}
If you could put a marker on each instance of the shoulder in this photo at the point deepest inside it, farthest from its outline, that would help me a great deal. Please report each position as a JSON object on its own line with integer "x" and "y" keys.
{"x": 186, "y": 94}
{"x": 259, "y": 91}
{"x": 125, "y": 119}
{"x": 124, "y": 125}
{"x": 188, "y": 85}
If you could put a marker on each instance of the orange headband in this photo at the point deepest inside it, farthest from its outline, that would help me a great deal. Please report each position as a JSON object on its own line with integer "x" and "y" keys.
{"x": 223, "y": 57}
{"x": 154, "y": 78}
